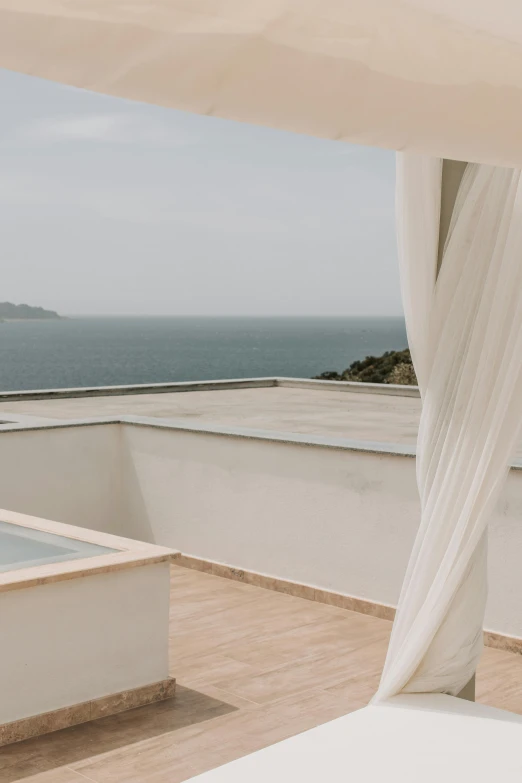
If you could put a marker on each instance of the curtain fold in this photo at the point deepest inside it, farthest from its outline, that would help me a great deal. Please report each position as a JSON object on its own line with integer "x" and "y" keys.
{"x": 465, "y": 332}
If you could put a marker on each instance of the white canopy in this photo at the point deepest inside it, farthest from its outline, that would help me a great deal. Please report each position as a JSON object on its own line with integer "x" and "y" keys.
{"x": 443, "y": 77}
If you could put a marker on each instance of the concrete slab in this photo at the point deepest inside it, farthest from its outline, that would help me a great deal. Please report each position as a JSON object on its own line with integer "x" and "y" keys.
{"x": 363, "y": 417}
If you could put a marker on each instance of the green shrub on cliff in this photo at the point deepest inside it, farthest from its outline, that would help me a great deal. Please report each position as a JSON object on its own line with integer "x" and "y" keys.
{"x": 392, "y": 367}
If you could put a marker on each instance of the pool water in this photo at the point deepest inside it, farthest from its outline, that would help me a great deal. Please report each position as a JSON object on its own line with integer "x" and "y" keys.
{"x": 24, "y": 547}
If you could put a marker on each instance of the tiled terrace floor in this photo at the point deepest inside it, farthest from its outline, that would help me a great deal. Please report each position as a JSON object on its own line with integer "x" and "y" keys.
{"x": 253, "y": 668}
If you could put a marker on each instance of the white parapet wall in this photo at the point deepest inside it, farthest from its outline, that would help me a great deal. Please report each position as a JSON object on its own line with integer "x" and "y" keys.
{"x": 80, "y": 475}
{"x": 337, "y": 519}
{"x": 68, "y": 474}
{"x": 338, "y": 516}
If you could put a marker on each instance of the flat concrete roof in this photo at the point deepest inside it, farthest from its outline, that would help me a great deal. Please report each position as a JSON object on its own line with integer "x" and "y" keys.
{"x": 314, "y": 411}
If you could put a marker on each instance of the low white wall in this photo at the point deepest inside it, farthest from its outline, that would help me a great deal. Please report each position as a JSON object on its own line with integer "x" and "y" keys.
{"x": 68, "y": 474}
{"x": 504, "y": 609}
{"x": 336, "y": 519}
{"x": 69, "y": 642}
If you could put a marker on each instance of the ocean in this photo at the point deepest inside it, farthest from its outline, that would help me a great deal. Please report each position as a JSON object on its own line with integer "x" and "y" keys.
{"x": 104, "y": 351}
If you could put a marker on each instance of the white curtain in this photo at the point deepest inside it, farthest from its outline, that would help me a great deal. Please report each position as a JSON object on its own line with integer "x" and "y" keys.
{"x": 465, "y": 333}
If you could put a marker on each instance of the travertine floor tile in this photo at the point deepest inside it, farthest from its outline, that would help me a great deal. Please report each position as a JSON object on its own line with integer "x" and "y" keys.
{"x": 63, "y": 775}
{"x": 311, "y": 672}
{"x": 253, "y": 667}
{"x": 321, "y": 638}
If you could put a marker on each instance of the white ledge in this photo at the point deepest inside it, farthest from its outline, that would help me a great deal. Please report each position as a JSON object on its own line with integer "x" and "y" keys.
{"x": 220, "y": 385}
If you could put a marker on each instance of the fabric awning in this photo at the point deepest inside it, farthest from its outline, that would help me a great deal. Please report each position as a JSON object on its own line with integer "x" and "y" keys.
{"x": 442, "y": 77}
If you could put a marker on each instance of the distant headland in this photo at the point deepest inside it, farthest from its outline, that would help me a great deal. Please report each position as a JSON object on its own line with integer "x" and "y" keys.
{"x": 392, "y": 367}
{"x": 23, "y": 312}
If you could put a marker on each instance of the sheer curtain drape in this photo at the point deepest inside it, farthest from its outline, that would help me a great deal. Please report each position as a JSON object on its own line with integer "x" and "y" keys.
{"x": 465, "y": 332}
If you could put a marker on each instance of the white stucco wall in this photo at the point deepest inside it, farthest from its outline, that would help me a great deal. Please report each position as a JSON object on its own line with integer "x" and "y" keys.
{"x": 71, "y": 474}
{"x": 336, "y": 519}
{"x": 68, "y": 642}
{"x": 504, "y": 609}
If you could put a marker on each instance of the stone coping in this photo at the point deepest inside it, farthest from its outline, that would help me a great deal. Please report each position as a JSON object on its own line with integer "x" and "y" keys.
{"x": 292, "y": 438}
{"x": 47, "y": 722}
{"x": 218, "y": 385}
{"x": 275, "y": 436}
{"x": 512, "y": 644}
{"x": 392, "y": 390}
{"x": 130, "y": 554}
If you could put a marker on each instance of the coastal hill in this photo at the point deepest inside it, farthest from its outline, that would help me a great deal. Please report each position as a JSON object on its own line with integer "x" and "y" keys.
{"x": 23, "y": 312}
{"x": 391, "y": 367}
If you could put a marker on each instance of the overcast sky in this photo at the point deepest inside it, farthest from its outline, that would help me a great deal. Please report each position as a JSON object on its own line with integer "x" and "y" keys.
{"x": 110, "y": 206}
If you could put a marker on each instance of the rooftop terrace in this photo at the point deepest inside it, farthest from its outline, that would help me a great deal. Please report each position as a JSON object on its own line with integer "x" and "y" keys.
{"x": 312, "y": 409}
{"x": 253, "y": 667}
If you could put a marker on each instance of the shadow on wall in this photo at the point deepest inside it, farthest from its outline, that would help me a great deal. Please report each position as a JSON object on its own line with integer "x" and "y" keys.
{"x": 133, "y": 506}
